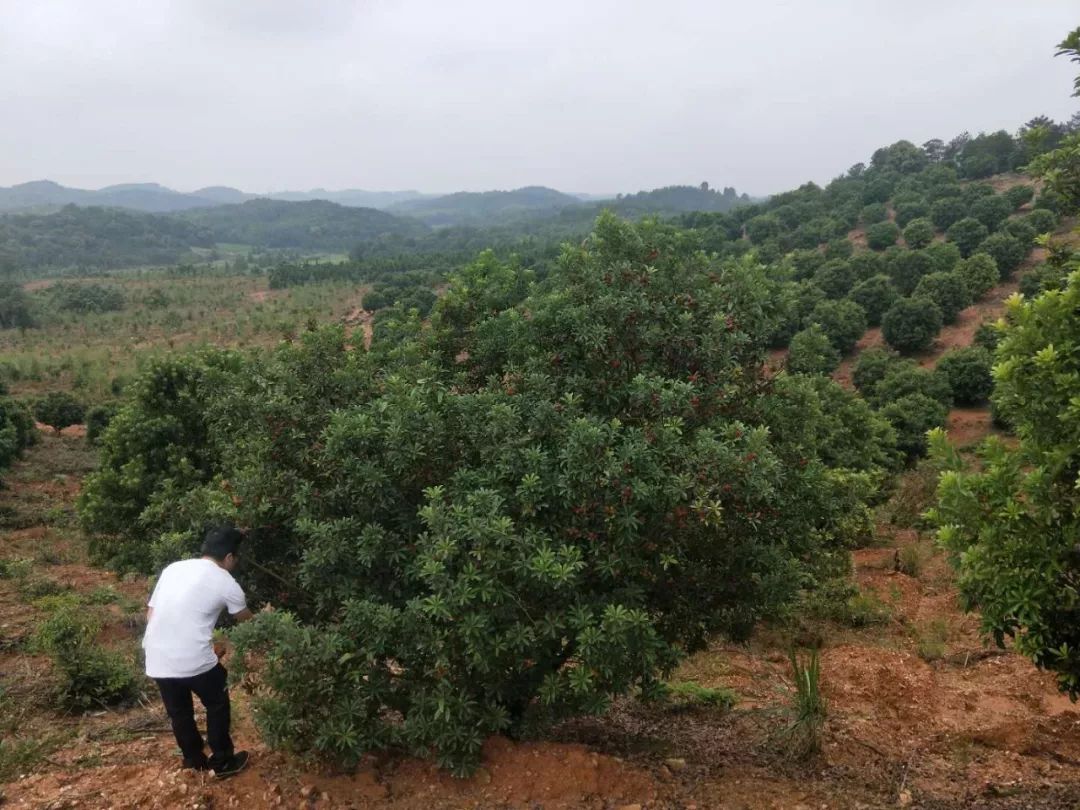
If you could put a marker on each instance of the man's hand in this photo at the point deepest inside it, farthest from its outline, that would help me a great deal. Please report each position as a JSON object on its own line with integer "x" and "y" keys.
{"x": 220, "y": 648}
{"x": 267, "y": 608}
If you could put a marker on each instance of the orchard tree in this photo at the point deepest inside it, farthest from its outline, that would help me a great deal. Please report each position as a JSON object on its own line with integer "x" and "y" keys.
{"x": 948, "y": 211}
{"x": 911, "y": 324}
{"x": 1007, "y": 252}
{"x": 991, "y": 211}
{"x": 968, "y": 373}
{"x": 875, "y": 296}
{"x": 912, "y": 417}
{"x": 812, "y": 352}
{"x": 882, "y": 235}
{"x": 509, "y": 514}
{"x": 907, "y": 267}
{"x": 919, "y": 233}
{"x": 948, "y": 290}
{"x": 967, "y": 234}
{"x": 1012, "y": 523}
{"x": 59, "y": 410}
{"x": 842, "y": 321}
{"x": 835, "y": 279}
{"x": 980, "y": 274}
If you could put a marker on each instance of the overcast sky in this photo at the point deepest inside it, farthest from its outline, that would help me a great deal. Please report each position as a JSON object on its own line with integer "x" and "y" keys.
{"x": 442, "y": 95}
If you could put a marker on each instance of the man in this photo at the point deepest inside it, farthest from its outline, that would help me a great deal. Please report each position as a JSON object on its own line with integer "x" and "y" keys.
{"x": 180, "y": 654}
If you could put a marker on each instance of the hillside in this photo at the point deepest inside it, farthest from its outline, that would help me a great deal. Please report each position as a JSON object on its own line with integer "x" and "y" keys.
{"x": 96, "y": 238}
{"x": 311, "y": 225}
{"x": 45, "y": 195}
{"x": 487, "y": 207}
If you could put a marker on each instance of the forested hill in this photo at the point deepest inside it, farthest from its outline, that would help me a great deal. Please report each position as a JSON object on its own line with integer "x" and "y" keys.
{"x": 487, "y": 207}
{"x": 679, "y": 199}
{"x": 310, "y": 225}
{"x": 42, "y": 196}
{"x": 96, "y": 238}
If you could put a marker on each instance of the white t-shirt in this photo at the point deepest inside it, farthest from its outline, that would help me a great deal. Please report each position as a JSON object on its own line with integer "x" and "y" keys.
{"x": 187, "y": 601}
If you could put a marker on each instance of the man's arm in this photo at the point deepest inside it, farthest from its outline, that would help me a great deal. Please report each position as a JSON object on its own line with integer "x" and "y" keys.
{"x": 243, "y": 616}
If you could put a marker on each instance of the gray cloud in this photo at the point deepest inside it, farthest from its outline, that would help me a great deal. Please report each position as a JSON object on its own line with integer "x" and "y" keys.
{"x": 476, "y": 94}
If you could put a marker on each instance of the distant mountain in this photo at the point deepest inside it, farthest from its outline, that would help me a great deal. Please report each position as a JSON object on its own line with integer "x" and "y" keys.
{"x": 679, "y": 199}
{"x": 308, "y": 225}
{"x": 354, "y": 197}
{"x": 45, "y": 195}
{"x": 223, "y": 195}
{"x": 486, "y": 207}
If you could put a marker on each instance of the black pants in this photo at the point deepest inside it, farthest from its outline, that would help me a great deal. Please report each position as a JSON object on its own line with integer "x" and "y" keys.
{"x": 212, "y": 688}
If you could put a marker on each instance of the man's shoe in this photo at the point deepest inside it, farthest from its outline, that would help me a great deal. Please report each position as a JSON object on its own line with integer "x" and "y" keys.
{"x": 236, "y": 763}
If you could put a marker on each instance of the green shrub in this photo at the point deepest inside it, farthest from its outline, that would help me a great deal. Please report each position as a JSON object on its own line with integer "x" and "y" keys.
{"x": 882, "y": 235}
{"x": 812, "y": 352}
{"x": 911, "y": 559}
{"x": 840, "y": 601}
{"x": 839, "y": 249}
{"x": 871, "y": 367}
{"x": 968, "y": 373}
{"x": 912, "y": 417}
{"x": 844, "y": 322}
{"x": 911, "y": 324}
{"x": 980, "y": 274}
{"x": 1019, "y": 195}
{"x": 947, "y": 212}
{"x": 59, "y": 410}
{"x": 835, "y": 279}
{"x": 967, "y": 235}
{"x": 377, "y": 298}
{"x": 90, "y": 674}
{"x": 85, "y": 298}
{"x": 1006, "y": 251}
{"x": 919, "y": 233}
{"x": 875, "y": 296}
{"x": 805, "y": 263}
{"x": 947, "y": 290}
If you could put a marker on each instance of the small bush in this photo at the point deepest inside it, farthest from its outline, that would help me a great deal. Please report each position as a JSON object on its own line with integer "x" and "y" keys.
{"x": 882, "y": 235}
{"x": 911, "y": 418}
{"x": 871, "y": 367}
{"x": 907, "y": 211}
{"x": 866, "y": 265}
{"x": 911, "y": 324}
{"x": 968, "y": 373}
{"x": 980, "y": 274}
{"x": 839, "y": 249}
{"x": 59, "y": 410}
{"x": 911, "y": 559}
{"x": 919, "y": 233}
{"x": 691, "y": 695}
{"x": 812, "y": 352}
{"x": 967, "y": 235}
{"x": 809, "y": 708}
{"x": 932, "y": 638}
{"x": 1007, "y": 251}
{"x": 875, "y": 296}
{"x": 843, "y": 322}
{"x": 947, "y": 290}
{"x": 90, "y": 675}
